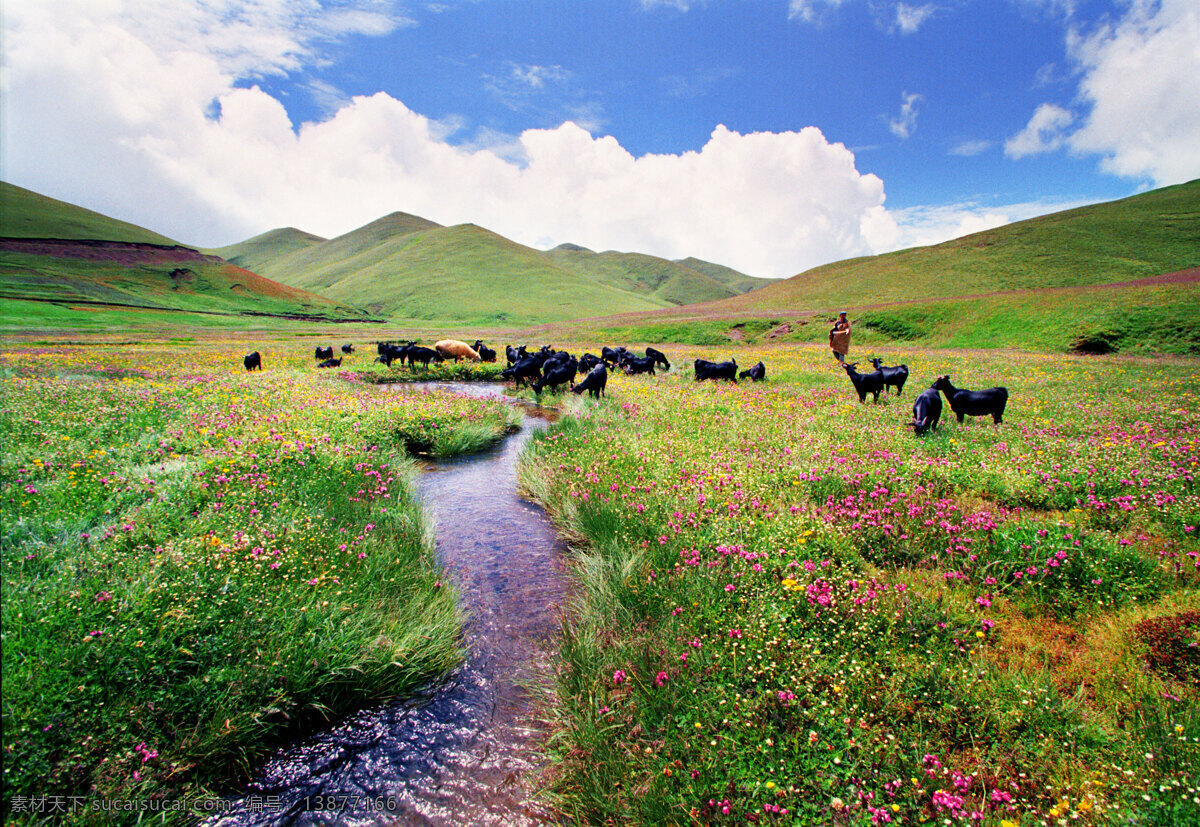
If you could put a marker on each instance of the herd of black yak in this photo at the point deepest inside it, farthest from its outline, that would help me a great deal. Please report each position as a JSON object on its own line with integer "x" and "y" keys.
{"x": 549, "y": 368}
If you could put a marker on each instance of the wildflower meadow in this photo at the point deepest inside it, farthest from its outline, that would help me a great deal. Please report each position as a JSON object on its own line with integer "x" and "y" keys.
{"x": 787, "y": 609}
{"x": 792, "y": 610}
{"x": 200, "y": 561}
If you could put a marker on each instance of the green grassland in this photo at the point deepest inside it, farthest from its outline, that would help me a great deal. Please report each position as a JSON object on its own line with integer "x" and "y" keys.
{"x": 788, "y": 608}
{"x": 1108, "y": 319}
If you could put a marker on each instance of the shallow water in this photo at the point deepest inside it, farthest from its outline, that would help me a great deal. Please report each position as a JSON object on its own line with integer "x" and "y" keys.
{"x": 467, "y": 752}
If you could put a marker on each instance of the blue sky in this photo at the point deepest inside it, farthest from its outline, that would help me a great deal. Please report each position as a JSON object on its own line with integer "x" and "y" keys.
{"x": 769, "y": 135}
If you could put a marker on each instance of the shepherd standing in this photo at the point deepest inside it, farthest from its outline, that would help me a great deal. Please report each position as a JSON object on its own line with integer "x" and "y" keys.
{"x": 839, "y": 337}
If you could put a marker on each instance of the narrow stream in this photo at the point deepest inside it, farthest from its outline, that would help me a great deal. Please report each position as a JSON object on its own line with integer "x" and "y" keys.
{"x": 467, "y": 752}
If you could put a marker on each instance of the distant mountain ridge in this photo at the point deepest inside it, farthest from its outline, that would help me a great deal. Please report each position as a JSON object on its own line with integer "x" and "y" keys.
{"x": 405, "y": 266}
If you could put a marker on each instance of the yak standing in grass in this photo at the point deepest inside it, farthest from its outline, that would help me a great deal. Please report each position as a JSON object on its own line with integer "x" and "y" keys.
{"x": 588, "y": 361}
{"x": 612, "y": 356}
{"x": 659, "y": 357}
{"x": 323, "y": 352}
{"x": 755, "y": 374}
{"x": 864, "y": 383}
{"x": 990, "y": 402}
{"x": 456, "y": 350}
{"x": 389, "y": 352}
{"x": 528, "y": 370}
{"x": 634, "y": 365}
{"x": 705, "y": 369}
{"x": 927, "y": 411}
{"x": 892, "y": 376}
{"x": 486, "y": 354}
{"x": 252, "y": 361}
{"x": 556, "y": 375}
{"x": 594, "y": 382}
{"x": 424, "y": 355}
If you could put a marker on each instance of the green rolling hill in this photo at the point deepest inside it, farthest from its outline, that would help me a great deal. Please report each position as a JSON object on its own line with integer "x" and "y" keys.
{"x": 26, "y": 214}
{"x": 673, "y": 282}
{"x": 254, "y": 253}
{"x": 739, "y": 282}
{"x": 403, "y": 269}
{"x": 406, "y": 267}
{"x": 58, "y": 253}
{"x": 1134, "y": 238}
{"x": 1118, "y": 276}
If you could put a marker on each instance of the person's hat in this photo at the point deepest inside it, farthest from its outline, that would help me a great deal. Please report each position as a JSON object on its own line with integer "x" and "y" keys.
{"x": 841, "y": 312}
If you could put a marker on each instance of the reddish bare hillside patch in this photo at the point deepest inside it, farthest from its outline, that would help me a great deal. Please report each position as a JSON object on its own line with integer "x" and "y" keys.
{"x": 120, "y": 252}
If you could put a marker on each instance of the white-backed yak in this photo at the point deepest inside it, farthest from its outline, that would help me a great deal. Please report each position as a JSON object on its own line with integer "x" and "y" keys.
{"x": 456, "y": 350}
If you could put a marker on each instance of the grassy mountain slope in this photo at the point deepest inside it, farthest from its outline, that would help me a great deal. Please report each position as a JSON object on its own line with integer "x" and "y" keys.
{"x": 52, "y": 251}
{"x": 644, "y": 274}
{"x": 389, "y": 264}
{"x": 320, "y": 266}
{"x": 26, "y": 214}
{"x": 739, "y": 282}
{"x": 463, "y": 273}
{"x": 257, "y": 252}
{"x": 1123, "y": 276}
{"x": 1133, "y": 238}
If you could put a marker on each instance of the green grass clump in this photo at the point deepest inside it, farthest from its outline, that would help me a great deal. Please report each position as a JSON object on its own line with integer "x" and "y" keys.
{"x": 435, "y": 372}
{"x": 198, "y": 562}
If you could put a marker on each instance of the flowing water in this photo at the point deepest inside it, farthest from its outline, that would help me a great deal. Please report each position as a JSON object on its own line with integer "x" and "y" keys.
{"x": 466, "y": 751}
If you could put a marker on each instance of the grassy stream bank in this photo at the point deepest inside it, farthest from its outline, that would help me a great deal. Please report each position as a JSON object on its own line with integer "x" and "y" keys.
{"x": 198, "y": 562}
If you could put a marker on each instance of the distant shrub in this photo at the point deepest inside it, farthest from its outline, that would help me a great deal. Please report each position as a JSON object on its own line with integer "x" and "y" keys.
{"x": 1097, "y": 342}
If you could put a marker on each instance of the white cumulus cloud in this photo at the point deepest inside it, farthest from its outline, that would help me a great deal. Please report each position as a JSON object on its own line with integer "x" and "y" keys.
{"x": 1141, "y": 83}
{"x": 149, "y": 111}
{"x": 1045, "y": 132}
{"x": 1138, "y": 101}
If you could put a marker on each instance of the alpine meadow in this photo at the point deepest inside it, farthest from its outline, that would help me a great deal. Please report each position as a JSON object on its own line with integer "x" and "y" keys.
{"x": 785, "y": 606}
